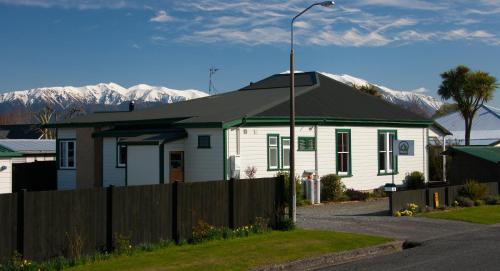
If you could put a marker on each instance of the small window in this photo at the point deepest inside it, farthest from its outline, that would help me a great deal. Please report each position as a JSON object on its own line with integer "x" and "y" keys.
{"x": 285, "y": 152}
{"x": 272, "y": 152}
{"x": 67, "y": 154}
{"x": 343, "y": 147}
{"x": 387, "y": 163}
{"x": 203, "y": 142}
{"x": 307, "y": 144}
{"x": 121, "y": 152}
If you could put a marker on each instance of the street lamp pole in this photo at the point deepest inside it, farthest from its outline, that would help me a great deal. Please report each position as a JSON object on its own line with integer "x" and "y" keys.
{"x": 293, "y": 198}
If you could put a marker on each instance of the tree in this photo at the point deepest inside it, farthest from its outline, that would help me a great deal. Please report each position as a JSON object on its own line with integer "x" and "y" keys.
{"x": 369, "y": 89}
{"x": 445, "y": 109}
{"x": 470, "y": 90}
{"x": 44, "y": 117}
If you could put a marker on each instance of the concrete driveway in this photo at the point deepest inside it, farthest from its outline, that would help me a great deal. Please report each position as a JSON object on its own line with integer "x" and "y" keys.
{"x": 372, "y": 217}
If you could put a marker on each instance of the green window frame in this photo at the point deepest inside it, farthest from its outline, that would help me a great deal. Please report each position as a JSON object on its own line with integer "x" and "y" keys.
{"x": 283, "y": 148}
{"x": 273, "y": 152}
{"x": 343, "y": 152}
{"x": 306, "y": 143}
{"x": 204, "y": 142}
{"x": 387, "y": 163}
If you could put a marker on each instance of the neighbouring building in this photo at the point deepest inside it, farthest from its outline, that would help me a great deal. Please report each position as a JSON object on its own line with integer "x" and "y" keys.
{"x": 480, "y": 163}
{"x": 339, "y": 130}
{"x": 20, "y": 151}
{"x": 485, "y": 127}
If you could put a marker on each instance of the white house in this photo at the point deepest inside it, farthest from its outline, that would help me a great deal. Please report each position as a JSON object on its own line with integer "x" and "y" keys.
{"x": 339, "y": 130}
{"x": 15, "y": 151}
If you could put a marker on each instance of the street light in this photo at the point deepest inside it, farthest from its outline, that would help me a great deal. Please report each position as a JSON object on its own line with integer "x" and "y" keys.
{"x": 293, "y": 199}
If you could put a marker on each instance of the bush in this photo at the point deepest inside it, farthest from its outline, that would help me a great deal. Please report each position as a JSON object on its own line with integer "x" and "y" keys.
{"x": 379, "y": 192}
{"x": 332, "y": 188}
{"x": 474, "y": 190}
{"x": 357, "y": 195}
{"x": 298, "y": 187}
{"x": 415, "y": 180}
{"x": 478, "y": 202}
{"x": 492, "y": 200}
{"x": 286, "y": 225}
{"x": 465, "y": 202}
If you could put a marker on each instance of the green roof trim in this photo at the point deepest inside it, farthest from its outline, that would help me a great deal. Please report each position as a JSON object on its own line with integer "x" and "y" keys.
{"x": 6, "y": 152}
{"x": 488, "y": 153}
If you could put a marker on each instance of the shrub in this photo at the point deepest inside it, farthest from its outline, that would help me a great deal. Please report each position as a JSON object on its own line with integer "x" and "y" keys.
{"x": 203, "y": 231}
{"x": 357, "y": 195}
{"x": 332, "y": 188}
{"x": 260, "y": 225}
{"x": 465, "y": 202}
{"x": 492, "y": 200}
{"x": 122, "y": 243}
{"x": 286, "y": 225}
{"x": 410, "y": 210}
{"x": 298, "y": 187}
{"x": 474, "y": 190}
{"x": 478, "y": 202}
{"x": 415, "y": 180}
{"x": 379, "y": 192}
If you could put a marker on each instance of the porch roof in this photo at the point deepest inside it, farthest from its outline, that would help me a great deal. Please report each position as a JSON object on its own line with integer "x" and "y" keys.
{"x": 154, "y": 138}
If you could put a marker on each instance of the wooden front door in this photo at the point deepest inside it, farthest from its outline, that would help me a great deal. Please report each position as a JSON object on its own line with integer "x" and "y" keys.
{"x": 176, "y": 166}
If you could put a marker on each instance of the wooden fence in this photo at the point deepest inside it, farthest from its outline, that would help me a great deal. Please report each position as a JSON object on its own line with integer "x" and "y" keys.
{"x": 44, "y": 225}
{"x": 446, "y": 195}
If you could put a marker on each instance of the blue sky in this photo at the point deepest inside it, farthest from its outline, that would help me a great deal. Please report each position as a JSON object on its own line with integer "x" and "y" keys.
{"x": 402, "y": 44}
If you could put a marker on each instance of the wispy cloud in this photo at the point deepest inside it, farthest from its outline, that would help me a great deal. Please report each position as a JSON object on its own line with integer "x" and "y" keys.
{"x": 266, "y": 22}
{"x": 161, "y": 17}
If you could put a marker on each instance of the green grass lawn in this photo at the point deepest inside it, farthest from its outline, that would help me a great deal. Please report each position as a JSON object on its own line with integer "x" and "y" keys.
{"x": 489, "y": 214}
{"x": 241, "y": 253}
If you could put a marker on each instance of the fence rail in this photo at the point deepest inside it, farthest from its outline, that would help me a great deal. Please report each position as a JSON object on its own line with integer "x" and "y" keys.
{"x": 446, "y": 195}
{"x": 44, "y": 225}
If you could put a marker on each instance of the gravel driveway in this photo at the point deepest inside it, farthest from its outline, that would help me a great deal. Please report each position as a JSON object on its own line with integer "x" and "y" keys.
{"x": 372, "y": 217}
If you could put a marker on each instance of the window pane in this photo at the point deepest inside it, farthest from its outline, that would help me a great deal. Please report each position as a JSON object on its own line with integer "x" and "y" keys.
{"x": 273, "y": 157}
{"x": 307, "y": 144}
{"x": 273, "y": 141}
{"x": 286, "y": 157}
{"x": 391, "y": 141}
{"x": 62, "y": 154}
{"x": 203, "y": 141}
{"x": 71, "y": 154}
{"x": 122, "y": 155}
{"x": 381, "y": 142}
{"x": 344, "y": 162}
{"x": 381, "y": 161}
{"x": 286, "y": 142}
{"x": 391, "y": 161}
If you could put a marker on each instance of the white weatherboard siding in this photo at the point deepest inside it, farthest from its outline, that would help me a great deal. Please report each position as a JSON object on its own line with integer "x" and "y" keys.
{"x": 111, "y": 174}
{"x": 177, "y": 145}
{"x": 253, "y": 152}
{"x": 143, "y": 164}
{"x": 66, "y": 178}
{"x": 6, "y": 176}
{"x": 203, "y": 164}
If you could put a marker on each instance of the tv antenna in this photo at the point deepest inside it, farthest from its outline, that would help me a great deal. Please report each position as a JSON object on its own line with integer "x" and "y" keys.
{"x": 211, "y": 86}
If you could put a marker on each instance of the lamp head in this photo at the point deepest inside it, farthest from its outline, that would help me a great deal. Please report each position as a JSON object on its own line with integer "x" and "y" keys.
{"x": 327, "y": 4}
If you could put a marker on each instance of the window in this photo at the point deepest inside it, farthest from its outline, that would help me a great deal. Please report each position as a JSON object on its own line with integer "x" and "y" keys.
{"x": 343, "y": 149}
{"x": 387, "y": 164}
{"x": 307, "y": 144}
{"x": 285, "y": 152}
{"x": 272, "y": 152}
{"x": 121, "y": 152}
{"x": 203, "y": 142}
{"x": 67, "y": 154}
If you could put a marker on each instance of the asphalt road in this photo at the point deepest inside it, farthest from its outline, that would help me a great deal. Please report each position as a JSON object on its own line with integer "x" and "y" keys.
{"x": 372, "y": 217}
{"x": 475, "y": 250}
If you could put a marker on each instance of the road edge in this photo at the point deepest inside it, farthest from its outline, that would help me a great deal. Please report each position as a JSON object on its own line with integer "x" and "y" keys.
{"x": 337, "y": 258}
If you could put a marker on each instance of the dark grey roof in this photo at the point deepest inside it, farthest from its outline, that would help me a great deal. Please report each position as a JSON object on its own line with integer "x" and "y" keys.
{"x": 317, "y": 96}
{"x": 20, "y": 131}
{"x": 155, "y": 138}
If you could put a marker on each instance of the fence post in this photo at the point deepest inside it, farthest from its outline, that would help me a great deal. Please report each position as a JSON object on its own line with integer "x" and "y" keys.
{"x": 109, "y": 218}
{"x": 279, "y": 198}
{"x": 175, "y": 232}
{"x": 391, "y": 198}
{"x": 231, "y": 203}
{"x": 20, "y": 221}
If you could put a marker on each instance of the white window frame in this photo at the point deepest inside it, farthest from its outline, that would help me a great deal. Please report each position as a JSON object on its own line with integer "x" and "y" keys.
{"x": 273, "y": 146}
{"x": 64, "y": 154}
{"x": 388, "y": 152}
{"x": 283, "y": 148}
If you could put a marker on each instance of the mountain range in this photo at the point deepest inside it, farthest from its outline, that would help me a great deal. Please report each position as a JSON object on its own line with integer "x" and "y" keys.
{"x": 111, "y": 96}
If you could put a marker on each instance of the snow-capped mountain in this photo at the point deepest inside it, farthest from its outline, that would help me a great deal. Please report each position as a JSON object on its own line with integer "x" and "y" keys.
{"x": 412, "y": 100}
{"x": 107, "y": 95}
